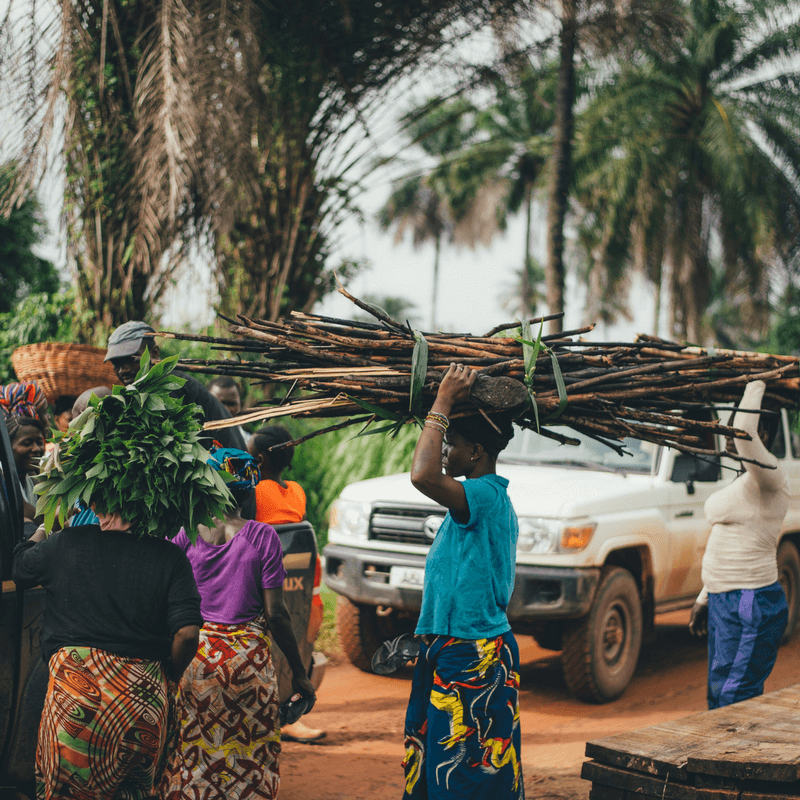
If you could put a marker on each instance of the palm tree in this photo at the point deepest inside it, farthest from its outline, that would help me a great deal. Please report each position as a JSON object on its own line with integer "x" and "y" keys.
{"x": 489, "y": 162}
{"x": 601, "y": 28}
{"x": 419, "y": 205}
{"x": 698, "y": 145}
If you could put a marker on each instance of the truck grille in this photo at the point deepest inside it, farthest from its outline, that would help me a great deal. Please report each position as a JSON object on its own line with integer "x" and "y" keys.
{"x": 405, "y": 524}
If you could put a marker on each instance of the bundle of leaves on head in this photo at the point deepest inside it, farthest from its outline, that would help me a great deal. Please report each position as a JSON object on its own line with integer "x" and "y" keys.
{"x": 136, "y": 452}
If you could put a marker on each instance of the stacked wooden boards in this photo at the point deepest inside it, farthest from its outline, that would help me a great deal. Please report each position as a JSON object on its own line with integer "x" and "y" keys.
{"x": 747, "y": 751}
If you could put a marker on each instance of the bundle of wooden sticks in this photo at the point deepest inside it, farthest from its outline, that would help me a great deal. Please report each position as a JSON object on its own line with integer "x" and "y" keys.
{"x": 385, "y": 372}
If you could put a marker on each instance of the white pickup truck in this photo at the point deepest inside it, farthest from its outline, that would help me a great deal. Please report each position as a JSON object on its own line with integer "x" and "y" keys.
{"x": 606, "y": 542}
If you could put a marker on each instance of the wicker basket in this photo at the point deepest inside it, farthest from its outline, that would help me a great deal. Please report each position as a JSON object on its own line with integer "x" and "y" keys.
{"x": 63, "y": 369}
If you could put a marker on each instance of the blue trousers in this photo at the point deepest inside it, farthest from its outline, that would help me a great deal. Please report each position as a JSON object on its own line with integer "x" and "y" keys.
{"x": 744, "y": 629}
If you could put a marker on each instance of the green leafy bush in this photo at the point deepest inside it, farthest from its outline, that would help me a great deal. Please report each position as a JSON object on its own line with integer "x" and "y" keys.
{"x": 323, "y": 466}
{"x": 137, "y": 453}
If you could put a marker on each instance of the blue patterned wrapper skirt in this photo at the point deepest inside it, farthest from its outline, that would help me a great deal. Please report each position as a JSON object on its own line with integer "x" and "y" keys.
{"x": 462, "y": 733}
{"x": 745, "y": 627}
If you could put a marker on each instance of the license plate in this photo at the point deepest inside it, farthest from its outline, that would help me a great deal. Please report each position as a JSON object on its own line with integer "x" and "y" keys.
{"x": 407, "y": 577}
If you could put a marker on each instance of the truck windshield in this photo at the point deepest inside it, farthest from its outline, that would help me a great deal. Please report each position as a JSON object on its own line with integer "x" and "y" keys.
{"x": 527, "y": 447}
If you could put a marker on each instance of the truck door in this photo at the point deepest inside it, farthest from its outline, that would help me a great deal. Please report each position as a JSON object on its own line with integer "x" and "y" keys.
{"x": 692, "y": 482}
{"x": 299, "y": 545}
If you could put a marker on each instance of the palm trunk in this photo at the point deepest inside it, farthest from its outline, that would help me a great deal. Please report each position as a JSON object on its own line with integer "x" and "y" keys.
{"x": 657, "y": 284}
{"x": 527, "y": 284}
{"x": 435, "y": 292}
{"x": 561, "y": 164}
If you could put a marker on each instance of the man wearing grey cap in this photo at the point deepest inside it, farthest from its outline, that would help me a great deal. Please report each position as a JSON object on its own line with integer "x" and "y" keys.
{"x": 125, "y": 349}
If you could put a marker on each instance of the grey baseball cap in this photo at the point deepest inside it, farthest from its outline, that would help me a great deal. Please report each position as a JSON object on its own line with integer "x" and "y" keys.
{"x": 127, "y": 339}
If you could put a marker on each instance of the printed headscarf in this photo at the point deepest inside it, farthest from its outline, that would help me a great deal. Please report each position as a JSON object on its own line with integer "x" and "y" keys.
{"x": 238, "y": 463}
{"x": 23, "y": 400}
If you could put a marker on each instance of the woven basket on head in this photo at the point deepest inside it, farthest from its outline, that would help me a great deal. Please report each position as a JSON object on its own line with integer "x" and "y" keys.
{"x": 63, "y": 369}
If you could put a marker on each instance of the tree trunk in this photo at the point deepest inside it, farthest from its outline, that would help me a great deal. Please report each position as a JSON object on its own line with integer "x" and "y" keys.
{"x": 527, "y": 284}
{"x": 658, "y": 281}
{"x": 435, "y": 292}
{"x": 561, "y": 161}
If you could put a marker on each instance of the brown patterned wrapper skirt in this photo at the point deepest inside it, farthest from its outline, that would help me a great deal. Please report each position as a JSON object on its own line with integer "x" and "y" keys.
{"x": 229, "y": 739}
{"x": 106, "y": 727}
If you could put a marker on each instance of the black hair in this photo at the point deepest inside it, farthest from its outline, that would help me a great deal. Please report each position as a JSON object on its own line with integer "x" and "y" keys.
{"x": 241, "y": 496}
{"x": 225, "y": 382}
{"x": 64, "y": 403}
{"x": 269, "y": 436}
{"x": 478, "y": 430}
{"x": 15, "y": 423}
{"x": 769, "y": 424}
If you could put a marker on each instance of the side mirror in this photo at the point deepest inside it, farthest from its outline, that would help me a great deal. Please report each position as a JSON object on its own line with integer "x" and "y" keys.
{"x": 688, "y": 468}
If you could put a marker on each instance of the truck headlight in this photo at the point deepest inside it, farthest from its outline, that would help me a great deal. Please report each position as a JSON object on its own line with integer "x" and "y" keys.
{"x": 350, "y": 518}
{"x": 538, "y": 535}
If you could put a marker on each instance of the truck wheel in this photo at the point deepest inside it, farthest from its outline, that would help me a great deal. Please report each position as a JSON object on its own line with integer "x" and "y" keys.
{"x": 601, "y": 649}
{"x": 789, "y": 577}
{"x": 548, "y": 635}
{"x": 362, "y": 631}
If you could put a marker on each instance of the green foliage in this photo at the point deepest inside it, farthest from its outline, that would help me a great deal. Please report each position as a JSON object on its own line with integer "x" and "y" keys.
{"x": 37, "y": 318}
{"x": 784, "y": 335}
{"x": 136, "y": 453}
{"x": 691, "y": 151}
{"x": 22, "y": 272}
{"x": 323, "y": 466}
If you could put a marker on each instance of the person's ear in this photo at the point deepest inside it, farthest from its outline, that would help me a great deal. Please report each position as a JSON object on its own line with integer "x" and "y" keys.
{"x": 477, "y": 452}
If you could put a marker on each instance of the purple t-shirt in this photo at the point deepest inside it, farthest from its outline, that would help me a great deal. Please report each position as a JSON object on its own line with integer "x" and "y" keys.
{"x": 230, "y": 576}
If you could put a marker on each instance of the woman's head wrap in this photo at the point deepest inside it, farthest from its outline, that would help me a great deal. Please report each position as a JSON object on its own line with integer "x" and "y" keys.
{"x": 238, "y": 463}
{"x": 23, "y": 400}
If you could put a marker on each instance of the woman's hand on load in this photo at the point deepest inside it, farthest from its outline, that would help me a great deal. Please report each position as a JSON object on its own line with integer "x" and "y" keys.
{"x": 698, "y": 619}
{"x": 456, "y": 384}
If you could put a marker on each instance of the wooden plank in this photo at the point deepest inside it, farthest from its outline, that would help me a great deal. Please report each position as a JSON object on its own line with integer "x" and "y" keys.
{"x": 753, "y": 740}
{"x": 638, "y": 784}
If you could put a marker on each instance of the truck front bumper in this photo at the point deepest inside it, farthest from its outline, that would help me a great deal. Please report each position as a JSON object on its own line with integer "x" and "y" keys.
{"x": 540, "y": 593}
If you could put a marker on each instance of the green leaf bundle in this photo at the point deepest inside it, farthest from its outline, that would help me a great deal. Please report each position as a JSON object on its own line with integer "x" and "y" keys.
{"x": 137, "y": 453}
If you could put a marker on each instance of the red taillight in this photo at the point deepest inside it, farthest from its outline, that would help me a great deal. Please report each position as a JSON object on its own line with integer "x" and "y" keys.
{"x": 317, "y": 583}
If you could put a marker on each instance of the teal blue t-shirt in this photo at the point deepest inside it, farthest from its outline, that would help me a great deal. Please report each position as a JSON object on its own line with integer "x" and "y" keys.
{"x": 469, "y": 571}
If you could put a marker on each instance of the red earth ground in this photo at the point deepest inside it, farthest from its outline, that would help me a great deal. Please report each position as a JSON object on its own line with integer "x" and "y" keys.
{"x": 360, "y": 757}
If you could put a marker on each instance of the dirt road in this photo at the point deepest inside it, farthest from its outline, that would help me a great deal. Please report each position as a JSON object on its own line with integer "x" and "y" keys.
{"x": 363, "y": 715}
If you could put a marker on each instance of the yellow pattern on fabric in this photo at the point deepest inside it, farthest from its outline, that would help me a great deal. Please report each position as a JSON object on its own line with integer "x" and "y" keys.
{"x": 498, "y": 759}
{"x": 487, "y": 650}
{"x": 454, "y": 708}
{"x": 413, "y": 762}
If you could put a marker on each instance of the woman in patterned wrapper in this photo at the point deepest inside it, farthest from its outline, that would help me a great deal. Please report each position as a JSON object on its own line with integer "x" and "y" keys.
{"x": 239, "y": 570}
{"x": 462, "y": 731}
{"x": 121, "y": 623}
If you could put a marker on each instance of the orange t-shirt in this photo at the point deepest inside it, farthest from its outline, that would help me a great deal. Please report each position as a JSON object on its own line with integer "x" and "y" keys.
{"x": 276, "y": 505}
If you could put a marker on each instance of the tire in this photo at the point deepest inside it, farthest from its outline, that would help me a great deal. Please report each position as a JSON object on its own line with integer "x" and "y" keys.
{"x": 601, "y": 649}
{"x": 789, "y": 578}
{"x": 362, "y": 630}
{"x": 549, "y": 635}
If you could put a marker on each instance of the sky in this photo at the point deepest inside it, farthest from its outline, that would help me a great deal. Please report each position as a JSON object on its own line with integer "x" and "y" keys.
{"x": 471, "y": 282}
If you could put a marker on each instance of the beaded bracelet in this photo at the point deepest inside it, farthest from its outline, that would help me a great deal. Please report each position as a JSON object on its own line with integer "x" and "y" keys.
{"x": 429, "y": 423}
{"x": 435, "y": 416}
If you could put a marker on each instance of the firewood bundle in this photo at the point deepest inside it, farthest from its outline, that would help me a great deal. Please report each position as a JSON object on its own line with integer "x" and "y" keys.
{"x": 385, "y": 375}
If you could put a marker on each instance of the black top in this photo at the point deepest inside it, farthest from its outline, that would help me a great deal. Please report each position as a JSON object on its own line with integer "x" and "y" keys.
{"x": 111, "y": 590}
{"x": 195, "y": 392}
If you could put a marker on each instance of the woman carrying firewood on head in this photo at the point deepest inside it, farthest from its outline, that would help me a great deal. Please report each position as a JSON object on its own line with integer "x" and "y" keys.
{"x": 742, "y": 605}
{"x": 462, "y": 730}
